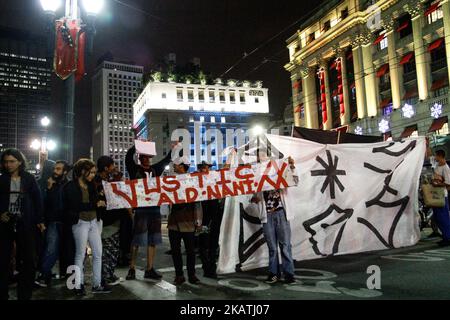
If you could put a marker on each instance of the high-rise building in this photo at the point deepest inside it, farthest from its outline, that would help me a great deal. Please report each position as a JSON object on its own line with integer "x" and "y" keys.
{"x": 212, "y": 115}
{"x": 373, "y": 67}
{"x": 25, "y": 90}
{"x": 115, "y": 87}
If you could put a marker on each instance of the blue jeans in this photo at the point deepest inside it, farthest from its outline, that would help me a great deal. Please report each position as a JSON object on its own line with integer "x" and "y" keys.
{"x": 277, "y": 232}
{"x": 442, "y": 217}
{"x": 83, "y": 232}
{"x": 51, "y": 253}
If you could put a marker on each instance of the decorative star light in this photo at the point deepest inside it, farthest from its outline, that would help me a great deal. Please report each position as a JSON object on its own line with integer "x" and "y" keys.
{"x": 383, "y": 126}
{"x": 359, "y": 130}
{"x": 436, "y": 110}
{"x": 408, "y": 111}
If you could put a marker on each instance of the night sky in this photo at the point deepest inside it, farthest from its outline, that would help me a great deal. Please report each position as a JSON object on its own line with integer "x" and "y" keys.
{"x": 219, "y": 32}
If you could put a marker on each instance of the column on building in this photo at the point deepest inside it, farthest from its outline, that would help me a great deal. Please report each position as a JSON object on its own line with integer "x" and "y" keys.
{"x": 328, "y": 125}
{"x": 420, "y": 52}
{"x": 296, "y": 101}
{"x": 394, "y": 68}
{"x": 370, "y": 82}
{"x": 309, "y": 97}
{"x": 446, "y": 18}
{"x": 345, "y": 118}
{"x": 359, "y": 78}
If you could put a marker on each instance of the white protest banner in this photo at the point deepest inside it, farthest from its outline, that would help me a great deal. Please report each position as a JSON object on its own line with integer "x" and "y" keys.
{"x": 199, "y": 186}
{"x": 145, "y": 147}
{"x": 351, "y": 198}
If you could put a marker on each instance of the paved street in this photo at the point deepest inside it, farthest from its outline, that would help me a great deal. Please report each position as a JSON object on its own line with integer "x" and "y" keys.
{"x": 419, "y": 272}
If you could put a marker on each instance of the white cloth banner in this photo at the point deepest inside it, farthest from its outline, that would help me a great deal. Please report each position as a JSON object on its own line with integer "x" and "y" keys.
{"x": 350, "y": 198}
{"x": 199, "y": 186}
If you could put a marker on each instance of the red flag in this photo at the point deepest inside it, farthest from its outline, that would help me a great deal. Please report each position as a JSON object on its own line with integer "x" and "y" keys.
{"x": 79, "y": 74}
{"x": 65, "y": 62}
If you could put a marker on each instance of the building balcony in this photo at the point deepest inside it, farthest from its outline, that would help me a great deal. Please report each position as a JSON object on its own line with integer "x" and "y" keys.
{"x": 410, "y": 76}
{"x": 442, "y": 100}
{"x": 385, "y": 86}
{"x": 429, "y": 29}
{"x": 438, "y": 64}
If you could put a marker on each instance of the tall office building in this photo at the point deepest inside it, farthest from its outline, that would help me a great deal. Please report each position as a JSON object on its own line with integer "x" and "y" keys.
{"x": 115, "y": 87}
{"x": 212, "y": 116}
{"x": 25, "y": 90}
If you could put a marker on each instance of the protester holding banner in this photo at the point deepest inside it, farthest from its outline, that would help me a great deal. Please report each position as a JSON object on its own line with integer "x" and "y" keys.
{"x": 184, "y": 220}
{"x": 442, "y": 179}
{"x": 276, "y": 227}
{"x": 209, "y": 241}
{"x": 80, "y": 203}
{"x": 147, "y": 221}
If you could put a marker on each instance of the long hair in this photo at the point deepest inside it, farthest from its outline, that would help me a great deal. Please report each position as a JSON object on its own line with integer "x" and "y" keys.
{"x": 17, "y": 155}
{"x": 82, "y": 165}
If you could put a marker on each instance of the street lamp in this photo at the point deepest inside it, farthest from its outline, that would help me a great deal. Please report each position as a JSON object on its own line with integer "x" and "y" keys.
{"x": 73, "y": 39}
{"x": 45, "y": 121}
{"x": 50, "y": 5}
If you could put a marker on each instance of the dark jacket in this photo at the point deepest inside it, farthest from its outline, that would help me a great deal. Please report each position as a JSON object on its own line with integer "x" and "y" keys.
{"x": 136, "y": 171}
{"x": 53, "y": 202}
{"x": 32, "y": 207}
{"x": 73, "y": 201}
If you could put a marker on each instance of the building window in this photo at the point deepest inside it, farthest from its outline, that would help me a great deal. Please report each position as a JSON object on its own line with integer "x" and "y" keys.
{"x": 344, "y": 13}
{"x": 222, "y": 96}
{"x": 256, "y": 100}
{"x": 211, "y": 97}
{"x": 384, "y": 43}
{"x": 326, "y": 26}
{"x": 435, "y": 15}
{"x": 163, "y": 95}
{"x": 213, "y": 119}
{"x": 242, "y": 97}
{"x": 180, "y": 94}
{"x": 201, "y": 96}
{"x": 202, "y": 119}
{"x": 222, "y": 120}
{"x": 190, "y": 95}
{"x": 191, "y": 119}
{"x": 232, "y": 97}
{"x": 311, "y": 38}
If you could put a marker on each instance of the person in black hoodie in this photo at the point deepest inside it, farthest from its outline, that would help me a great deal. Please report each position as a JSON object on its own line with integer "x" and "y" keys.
{"x": 147, "y": 221}
{"x": 80, "y": 208}
{"x": 20, "y": 213}
{"x": 52, "y": 193}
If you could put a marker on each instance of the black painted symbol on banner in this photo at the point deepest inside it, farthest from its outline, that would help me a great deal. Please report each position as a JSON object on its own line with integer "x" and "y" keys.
{"x": 331, "y": 173}
{"x": 386, "y": 150}
{"x": 248, "y": 247}
{"x": 345, "y": 215}
{"x": 377, "y": 201}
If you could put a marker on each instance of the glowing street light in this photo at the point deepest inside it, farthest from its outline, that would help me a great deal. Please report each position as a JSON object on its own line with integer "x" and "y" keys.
{"x": 50, "y": 5}
{"x": 45, "y": 121}
{"x": 258, "y": 130}
{"x": 51, "y": 145}
{"x": 35, "y": 144}
{"x": 93, "y": 7}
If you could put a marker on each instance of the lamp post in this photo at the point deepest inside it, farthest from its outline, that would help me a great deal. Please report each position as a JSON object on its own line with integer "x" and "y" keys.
{"x": 44, "y": 145}
{"x": 66, "y": 33}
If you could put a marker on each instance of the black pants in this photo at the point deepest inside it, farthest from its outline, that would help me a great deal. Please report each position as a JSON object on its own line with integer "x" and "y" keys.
{"x": 125, "y": 237}
{"x": 175, "y": 245}
{"x": 67, "y": 249}
{"x": 110, "y": 255}
{"x": 209, "y": 243}
{"x": 25, "y": 260}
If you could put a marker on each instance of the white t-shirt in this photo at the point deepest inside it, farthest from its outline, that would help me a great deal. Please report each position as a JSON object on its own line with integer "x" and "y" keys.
{"x": 444, "y": 172}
